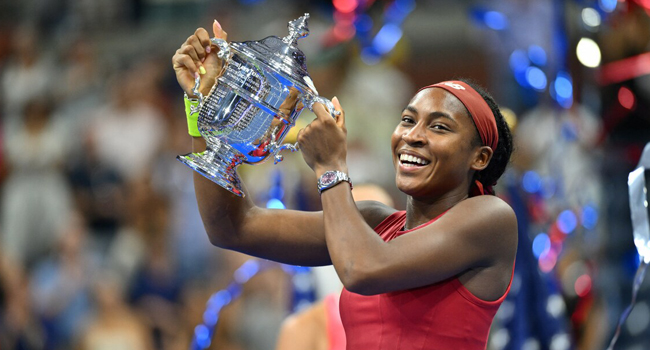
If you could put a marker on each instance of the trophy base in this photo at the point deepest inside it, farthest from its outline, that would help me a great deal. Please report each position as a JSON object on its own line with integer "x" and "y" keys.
{"x": 216, "y": 171}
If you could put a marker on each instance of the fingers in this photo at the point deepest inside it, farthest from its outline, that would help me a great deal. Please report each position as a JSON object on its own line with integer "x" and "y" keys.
{"x": 340, "y": 119}
{"x": 218, "y": 31}
{"x": 201, "y": 43}
{"x": 182, "y": 59}
{"x": 322, "y": 114}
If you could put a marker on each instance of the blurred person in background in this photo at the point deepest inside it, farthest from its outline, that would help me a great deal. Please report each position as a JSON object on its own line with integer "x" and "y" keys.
{"x": 115, "y": 325}
{"x": 20, "y": 328}
{"x": 127, "y": 131}
{"x": 61, "y": 285}
{"x": 28, "y": 75}
{"x": 450, "y": 250}
{"x": 36, "y": 198}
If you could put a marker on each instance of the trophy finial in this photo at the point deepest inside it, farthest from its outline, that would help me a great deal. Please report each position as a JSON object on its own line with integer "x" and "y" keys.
{"x": 297, "y": 29}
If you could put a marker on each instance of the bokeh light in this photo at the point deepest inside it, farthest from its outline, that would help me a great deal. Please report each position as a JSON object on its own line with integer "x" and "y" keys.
{"x": 536, "y": 78}
{"x": 387, "y": 37}
{"x": 588, "y": 53}
{"x": 345, "y": 6}
{"x": 496, "y": 20}
{"x": 567, "y": 221}
{"x": 607, "y": 5}
{"x": 275, "y": 203}
{"x": 589, "y": 217}
{"x": 537, "y": 55}
{"x": 591, "y": 17}
{"x": 582, "y": 285}
{"x": 547, "y": 261}
{"x": 531, "y": 182}
{"x": 626, "y": 98}
{"x": 541, "y": 244}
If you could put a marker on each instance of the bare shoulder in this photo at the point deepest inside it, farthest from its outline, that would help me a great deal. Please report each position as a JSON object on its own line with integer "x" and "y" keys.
{"x": 489, "y": 209}
{"x": 374, "y": 212}
{"x": 484, "y": 220}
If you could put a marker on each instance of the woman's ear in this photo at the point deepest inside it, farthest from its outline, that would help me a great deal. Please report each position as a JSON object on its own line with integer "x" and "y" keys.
{"x": 482, "y": 158}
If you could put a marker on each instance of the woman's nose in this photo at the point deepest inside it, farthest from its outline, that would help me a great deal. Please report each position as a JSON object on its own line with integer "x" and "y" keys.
{"x": 415, "y": 135}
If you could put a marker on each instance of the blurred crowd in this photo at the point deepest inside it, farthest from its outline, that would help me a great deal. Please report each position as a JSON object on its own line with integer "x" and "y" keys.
{"x": 101, "y": 242}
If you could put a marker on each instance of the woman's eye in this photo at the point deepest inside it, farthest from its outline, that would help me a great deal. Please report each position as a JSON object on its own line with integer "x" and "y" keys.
{"x": 407, "y": 120}
{"x": 439, "y": 127}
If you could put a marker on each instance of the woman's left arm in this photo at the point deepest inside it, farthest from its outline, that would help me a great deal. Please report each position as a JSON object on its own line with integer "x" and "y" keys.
{"x": 477, "y": 232}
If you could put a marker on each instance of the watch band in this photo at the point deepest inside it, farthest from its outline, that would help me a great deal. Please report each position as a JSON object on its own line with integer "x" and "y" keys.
{"x": 332, "y": 178}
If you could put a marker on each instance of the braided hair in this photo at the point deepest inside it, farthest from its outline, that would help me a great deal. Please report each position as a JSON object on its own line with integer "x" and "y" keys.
{"x": 501, "y": 155}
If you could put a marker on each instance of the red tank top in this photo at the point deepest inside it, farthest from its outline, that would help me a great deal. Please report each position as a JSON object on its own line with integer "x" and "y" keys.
{"x": 444, "y": 315}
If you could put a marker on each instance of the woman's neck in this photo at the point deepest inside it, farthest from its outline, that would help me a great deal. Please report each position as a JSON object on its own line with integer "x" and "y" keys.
{"x": 420, "y": 211}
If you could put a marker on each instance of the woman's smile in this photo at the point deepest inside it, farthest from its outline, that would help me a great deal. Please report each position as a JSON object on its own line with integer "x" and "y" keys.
{"x": 412, "y": 161}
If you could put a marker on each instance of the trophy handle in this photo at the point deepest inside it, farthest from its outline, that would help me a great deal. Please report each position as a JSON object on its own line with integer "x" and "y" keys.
{"x": 224, "y": 56}
{"x": 310, "y": 100}
{"x": 277, "y": 157}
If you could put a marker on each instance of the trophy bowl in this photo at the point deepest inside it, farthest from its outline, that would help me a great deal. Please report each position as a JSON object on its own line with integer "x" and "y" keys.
{"x": 249, "y": 110}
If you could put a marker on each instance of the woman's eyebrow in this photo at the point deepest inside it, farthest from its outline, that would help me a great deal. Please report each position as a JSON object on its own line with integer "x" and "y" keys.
{"x": 438, "y": 114}
{"x": 433, "y": 115}
{"x": 411, "y": 109}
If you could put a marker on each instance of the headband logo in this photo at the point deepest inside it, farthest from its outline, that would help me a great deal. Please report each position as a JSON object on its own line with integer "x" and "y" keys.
{"x": 455, "y": 86}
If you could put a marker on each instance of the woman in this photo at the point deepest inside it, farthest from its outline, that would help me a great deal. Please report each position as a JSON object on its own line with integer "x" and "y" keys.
{"x": 430, "y": 277}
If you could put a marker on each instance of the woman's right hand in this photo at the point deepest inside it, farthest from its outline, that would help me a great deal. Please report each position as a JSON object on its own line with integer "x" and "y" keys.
{"x": 197, "y": 52}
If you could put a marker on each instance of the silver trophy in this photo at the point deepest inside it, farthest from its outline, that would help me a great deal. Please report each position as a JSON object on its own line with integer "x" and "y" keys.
{"x": 253, "y": 104}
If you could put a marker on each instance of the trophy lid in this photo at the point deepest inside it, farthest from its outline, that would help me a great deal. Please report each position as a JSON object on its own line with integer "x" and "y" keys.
{"x": 283, "y": 55}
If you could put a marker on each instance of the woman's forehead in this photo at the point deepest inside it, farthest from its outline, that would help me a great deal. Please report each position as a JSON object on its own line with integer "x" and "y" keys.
{"x": 436, "y": 99}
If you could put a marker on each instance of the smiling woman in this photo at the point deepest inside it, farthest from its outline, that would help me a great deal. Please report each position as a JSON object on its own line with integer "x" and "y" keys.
{"x": 430, "y": 277}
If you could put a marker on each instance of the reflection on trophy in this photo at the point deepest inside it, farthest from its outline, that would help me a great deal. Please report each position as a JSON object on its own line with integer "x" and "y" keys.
{"x": 253, "y": 104}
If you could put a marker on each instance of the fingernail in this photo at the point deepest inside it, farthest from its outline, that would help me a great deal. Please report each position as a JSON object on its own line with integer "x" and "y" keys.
{"x": 217, "y": 23}
{"x": 202, "y": 70}
{"x": 196, "y": 75}
{"x": 208, "y": 49}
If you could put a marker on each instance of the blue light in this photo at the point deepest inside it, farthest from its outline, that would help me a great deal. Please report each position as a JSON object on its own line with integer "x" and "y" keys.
{"x": 536, "y": 78}
{"x": 518, "y": 61}
{"x": 541, "y": 244}
{"x": 531, "y": 182}
{"x": 219, "y": 300}
{"x": 363, "y": 23}
{"x": 569, "y": 131}
{"x": 246, "y": 271}
{"x": 210, "y": 317}
{"x": 537, "y": 55}
{"x": 608, "y": 5}
{"x": 567, "y": 221}
{"x": 386, "y": 38}
{"x": 562, "y": 89}
{"x": 370, "y": 56}
{"x": 276, "y": 192}
{"x": 589, "y": 217}
{"x": 202, "y": 336}
{"x": 496, "y": 20}
{"x": 563, "y": 86}
{"x": 405, "y": 6}
{"x": 275, "y": 203}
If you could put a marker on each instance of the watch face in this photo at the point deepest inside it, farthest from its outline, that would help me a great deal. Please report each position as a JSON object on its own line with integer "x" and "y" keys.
{"x": 328, "y": 178}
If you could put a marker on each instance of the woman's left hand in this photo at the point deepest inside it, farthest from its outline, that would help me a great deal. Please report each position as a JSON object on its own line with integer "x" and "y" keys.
{"x": 323, "y": 141}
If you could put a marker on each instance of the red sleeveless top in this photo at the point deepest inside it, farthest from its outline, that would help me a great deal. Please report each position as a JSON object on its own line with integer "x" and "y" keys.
{"x": 444, "y": 315}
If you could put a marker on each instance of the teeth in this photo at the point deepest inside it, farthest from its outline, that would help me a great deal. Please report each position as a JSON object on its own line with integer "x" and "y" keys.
{"x": 412, "y": 159}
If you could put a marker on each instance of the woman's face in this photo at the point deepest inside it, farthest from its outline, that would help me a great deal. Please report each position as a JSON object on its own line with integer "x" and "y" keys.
{"x": 434, "y": 145}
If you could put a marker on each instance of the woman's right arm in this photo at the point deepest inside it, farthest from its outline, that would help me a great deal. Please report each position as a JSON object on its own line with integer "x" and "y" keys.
{"x": 236, "y": 223}
{"x": 233, "y": 222}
